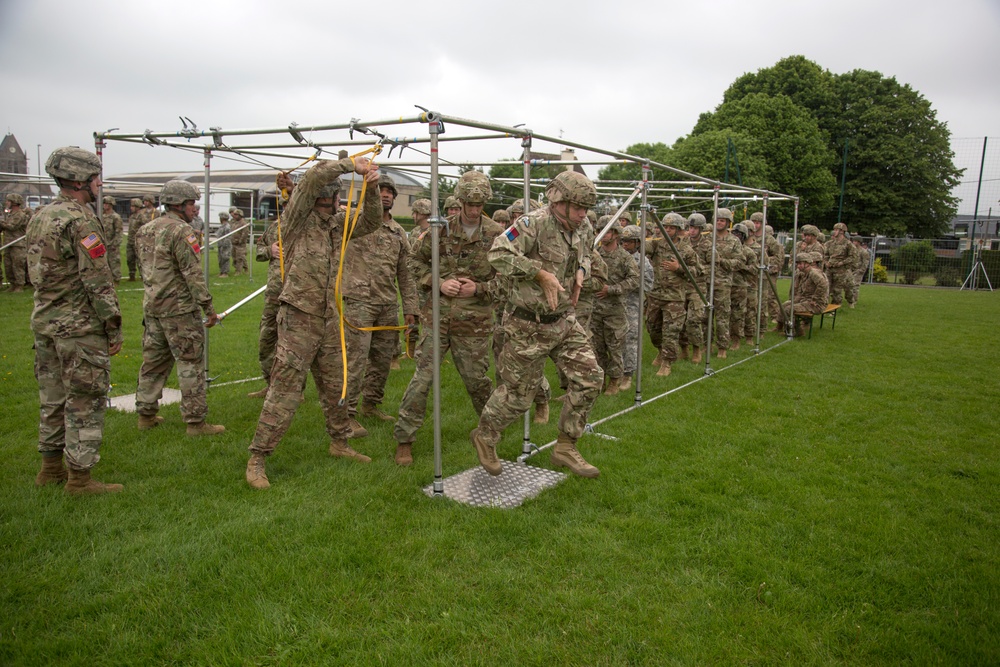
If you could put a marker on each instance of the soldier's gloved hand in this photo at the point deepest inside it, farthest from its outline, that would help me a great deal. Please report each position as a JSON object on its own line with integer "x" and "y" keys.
{"x": 451, "y": 287}
{"x": 468, "y": 287}
{"x": 550, "y": 287}
{"x": 211, "y": 321}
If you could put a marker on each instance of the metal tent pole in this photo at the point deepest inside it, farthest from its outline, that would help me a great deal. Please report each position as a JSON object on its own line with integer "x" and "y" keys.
{"x": 526, "y": 444}
{"x": 760, "y": 279}
{"x": 711, "y": 286}
{"x": 250, "y": 261}
{"x": 208, "y": 217}
{"x": 643, "y": 213}
{"x": 434, "y": 127}
{"x": 790, "y": 320}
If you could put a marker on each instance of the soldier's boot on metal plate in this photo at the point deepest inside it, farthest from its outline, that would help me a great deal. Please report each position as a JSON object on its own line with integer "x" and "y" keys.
{"x": 260, "y": 393}
{"x": 256, "y": 475}
{"x": 368, "y": 410}
{"x": 53, "y": 471}
{"x": 147, "y": 422}
{"x": 404, "y": 453}
{"x": 541, "y": 413}
{"x": 341, "y": 450}
{"x": 486, "y": 452}
{"x": 565, "y": 454}
{"x": 683, "y": 354}
{"x": 664, "y": 370}
{"x": 80, "y": 484}
{"x": 204, "y": 428}
{"x": 695, "y": 355}
{"x": 625, "y": 383}
{"x": 357, "y": 430}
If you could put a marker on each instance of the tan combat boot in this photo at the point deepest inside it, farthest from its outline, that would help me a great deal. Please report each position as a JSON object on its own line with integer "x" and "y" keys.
{"x": 147, "y": 422}
{"x": 204, "y": 428}
{"x": 659, "y": 359}
{"x": 367, "y": 410}
{"x": 260, "y": 393}
{"x": 357, "y": 430}
{"x": 750, "y": 341}
{"x": 695, "y": 355}
{"x": 256, "y": 475}
{"x": 566, "y": 455}
{"x": 541, "y": 413}
{"x": 721, "y": 354}
{"x": 53, "y": 471}
{"x": 80, "y": 484}
{"x": 664, "y": 370}
{"x": 404, "y": 454}
{"x": 683, "y": 354}
{"x": 486, "y": 452}
{"x": 341, "y": 450}
{"x": 735, "y": 346}
{"x": 612, "y": 387}
{"x": 625, "y": 383}
{"x": 394, "y": 364}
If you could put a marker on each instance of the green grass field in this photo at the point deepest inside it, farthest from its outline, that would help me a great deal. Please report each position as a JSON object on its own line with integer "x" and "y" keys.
{"x": 833, "y": 501}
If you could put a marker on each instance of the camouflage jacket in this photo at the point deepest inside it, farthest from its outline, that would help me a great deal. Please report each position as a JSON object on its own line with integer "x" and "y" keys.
{"x": 112, "y": 225}
{"x": 68, "y": 265}
{"x": 728, "y": 257}
{"x": 225, "y": 246}
{"x": 538, "y": 241}
{"x": 242, "y": 237}
{"x": 864, "y": 257}
{"x": 746, "y": 273}
{"x": 375, "y": 268}
{"x": 623, "y": 277}
{"x": 311, "y": 240}
{"x": 775, "y": 253}
{"x": 812, "y": 291}
{"x": 415, "y": 235}
{"x": 197, "y": 224}
{"x": 169, "y": 256}
{"x": 702, "y": 246}
{"x": 15, "y": 225}
{"x": 263, "y": 248}
{"x": 671, "y": 285}
{"x": 815, "y": 246}
{"x": 838, "y": 254}
{"x": 135, "y": 223}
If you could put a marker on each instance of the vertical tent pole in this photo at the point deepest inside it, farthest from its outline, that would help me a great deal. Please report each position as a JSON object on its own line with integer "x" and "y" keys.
{"x": 644, "y": 212}
{"x": 761, "y": 277}
{"x": 208, "y": 217}
{"x": 526, "y": 144}
{"x": 790, "y": 321}
{"x": 434, "y": 127}
{"x": 711, "y": 286}
{"x": 253, "y": 254}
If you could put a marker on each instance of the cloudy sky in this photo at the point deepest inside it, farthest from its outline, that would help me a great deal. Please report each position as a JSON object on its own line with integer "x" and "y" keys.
{"x": 607, "y": 73}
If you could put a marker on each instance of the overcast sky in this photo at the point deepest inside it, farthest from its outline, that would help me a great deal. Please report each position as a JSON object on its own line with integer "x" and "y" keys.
{"x": 607, "y": 74}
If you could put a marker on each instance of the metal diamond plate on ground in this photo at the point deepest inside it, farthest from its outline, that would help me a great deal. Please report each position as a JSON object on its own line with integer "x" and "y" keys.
{"x": 127, "y": 403}
{"x": 510, "y": 488}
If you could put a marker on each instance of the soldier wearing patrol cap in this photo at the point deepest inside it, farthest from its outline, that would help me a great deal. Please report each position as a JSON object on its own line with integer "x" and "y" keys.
{"x": 15, "y": 225}
{"x": 175, "y": 298}
{"x": 112, "y": 224}
{"x": 467, "y": 286}
{"x": 76, "y": 323}
{"x": 547, "y": 258}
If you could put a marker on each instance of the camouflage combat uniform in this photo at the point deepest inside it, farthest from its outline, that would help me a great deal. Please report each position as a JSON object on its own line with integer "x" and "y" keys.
{"x": 751, "y": 252}
{"x": 632, "y": 316}
{"x": 135, "y": 223}
{"x": 268, "y": 336}
{"x": 775, "y": 253}
{"x": 224, "y": 247}
{"x": 308, "y": 322}
{"x": 841, "y": 256}
{"x": 666, "y": 306}
{"x": 113, "y": 226}
{"x": 465, "y": 321}
{"x": 535, "y": 331}
{"x": 375, "y": 271}
{"x": 861, "y": 268}
{"x": 608, "y": 322}
{"x": 75, "y": 320}
{"x": 239, "y": 249}
{"x": 175, "y": 297}
{"x": 738, "y": 295}
{"x": 729, "y": 257}
{"x": 812, "y": 294}
{"x": 15, "y": 225}
{"x": 595, "y": 281}
{"x": 696, "y": 312}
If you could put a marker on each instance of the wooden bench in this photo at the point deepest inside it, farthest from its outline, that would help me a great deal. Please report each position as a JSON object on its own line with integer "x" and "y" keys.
{"x": 829, "y": 310}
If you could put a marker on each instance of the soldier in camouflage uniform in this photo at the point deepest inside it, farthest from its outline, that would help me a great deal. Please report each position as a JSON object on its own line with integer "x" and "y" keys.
{"x": 743, "y": 275}
{"x": 139, "y": 217}
{"x": 812, "y": 290}
{"x": 467, "y": 286}
{"x": 225, "y": 245}
{"x": 728, "y": 258}
{"x": 608, "y": 322}
{"x": 841, "y": 258}
{"x": 15, "y": 225}
{"x": 810, "y": 244}
{"x": 666, "y": 305}
{"x": 76, "y": 323}
{"x": 175, "y": 297}
{"x": 864, "y": 257}
{"x": 631, "y": 238}
{"x": 774, "y": 256}
{"x": 267, "y": 251}
{"x": 452, "y": 206}
{"x": 751, "y": 254}
{"x": 198, "y": 225}
{"x": 375, "y": 276}
{"x": 112, "y": 225}
{"x": 694, "y": 330}
{"x": 421, "y": 212}
{"x": 240, "y": 241}
{"x": 308, "y": 321}
{"x": 547, "y": 258}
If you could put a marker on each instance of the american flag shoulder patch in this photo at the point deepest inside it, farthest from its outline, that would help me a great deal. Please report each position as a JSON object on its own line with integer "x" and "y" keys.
{"x": 193, "y": 242}
{"x": 511, "y": 233}
{"x": 93, "y": 245}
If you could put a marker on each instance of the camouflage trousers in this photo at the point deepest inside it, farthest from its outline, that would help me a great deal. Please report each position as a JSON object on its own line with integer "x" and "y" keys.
{"x": 115, "y": 261}
{"x": 722, "y": 314}
{"x": 164, "y": 341}
{"x": 737, "y": 310}
{"x": 750, "y": 320}
{"x": 693, "y": 332}
{"x": 224, "y": 257}
{"x": 267, "y": 340}
{"x": 665, "y": 320}
{"x": 632, "y": 334}
{"x": 239, "y": 258}
{"x": 859, "y": 277}
{"x": 305, "y": 343}
{"x": 8, "y": 268}
{"x": 544, "y": 393}
{"x": 773, "y": 304}
{"x": 528, "y": 345}
{"x": 369, "y": 353}
{"x": 130, "y": 259}
{"x": 17, "y": 270}
{"x": 472, "y": 361}
{"x": 608, "y": 329}
{"x": 841, "y": 285}
{"x": 73, "y": 378}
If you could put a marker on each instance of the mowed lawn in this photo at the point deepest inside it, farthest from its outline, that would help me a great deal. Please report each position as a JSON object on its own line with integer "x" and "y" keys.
{"x": 833, "y": 501}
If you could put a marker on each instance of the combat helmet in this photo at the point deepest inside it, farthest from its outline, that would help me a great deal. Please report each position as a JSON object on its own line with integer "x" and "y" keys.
{"x": 501, "y": 216}
{"x": 631, "y": 233}
{"x": 572, "y": 187}
{"x": 223, "y": 216}
{"x": 452, "y": 202}
{"x": 72, "y": 164}
{"x": 473, "y": 188}
{"x": 108, "y": 199}
{"x": 15, "y": 199}
{"x": 385, "y": 181}
{"x": 724, "y": 214}
{"x": 697, "y": 220}
{"x": 841, "y": 226}
{"x": 812, "y": 230}
{"x": 135, "y": 202}
{"x": 674, "y": 220}
{"x": 238, "y": 213}
{"x": 175, "y": 193}
{"x": 757, "y": 217}
{"x": 422, "y": 206}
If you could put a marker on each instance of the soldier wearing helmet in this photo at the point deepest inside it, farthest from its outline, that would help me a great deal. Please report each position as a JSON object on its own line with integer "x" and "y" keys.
{"x": 740, "y": 292}
{"x": 467, "y": 287}
{"x": 308, "y": 321}
{"x": 112, "y": 225}
{"x": 15, "y": 226}
{"x": 452, "y": 206}
{"x": 501, "y": 217}
{"x": 841, "y": 262}
{"x": 516, "y": 209}
{"x": 860, "y": 267}
{"x": 241, "y": 239}
{"x": 421, "y": 212}
{"x": 608, "y": 323}
{"x": 666, "y": 303}
{"x": 176, "y": 296}
{"x": 137, "y": 218}
{"x": 728, "y": 257}
{"x": 812, "y": 290}
{"x": 693, "y": 332}
{"x": 810, "y": 243}
{"x": 631, "y": 237}
{"x": 376, "y": 279}
{"x": 546, "y": 254}
{"x": 224, "y": 245}
{"x": 751, "y": 273}
{"x": 76, "y": 323}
